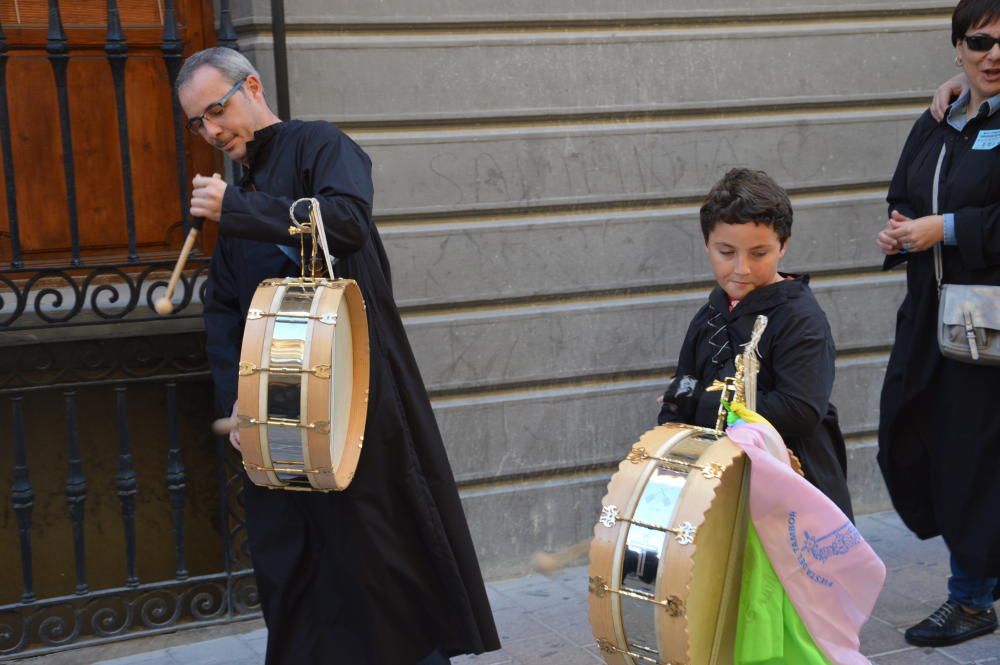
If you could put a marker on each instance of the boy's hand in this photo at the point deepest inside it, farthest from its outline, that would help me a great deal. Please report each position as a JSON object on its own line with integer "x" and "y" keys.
{"x": 206, "y": 198}
{"x": 916, "y": 235}
{"x": 945, "y": 93}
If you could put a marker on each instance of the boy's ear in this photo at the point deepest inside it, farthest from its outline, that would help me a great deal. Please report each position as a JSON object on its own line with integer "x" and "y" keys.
{"x": 784, "y": 248}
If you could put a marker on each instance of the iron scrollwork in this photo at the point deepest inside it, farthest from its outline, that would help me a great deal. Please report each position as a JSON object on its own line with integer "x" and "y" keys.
{"x": 96, "y": 361}
{"x": 34, "y": 299}
{"x": 76, "y": 620}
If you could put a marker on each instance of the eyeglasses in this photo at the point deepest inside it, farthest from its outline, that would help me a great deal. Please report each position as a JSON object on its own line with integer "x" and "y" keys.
{"x": 213, "y": 110}
{"x": 981, "y": 43}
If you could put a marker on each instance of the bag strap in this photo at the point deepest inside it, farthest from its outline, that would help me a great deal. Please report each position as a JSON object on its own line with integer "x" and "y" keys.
{"x": 935, "y": 189}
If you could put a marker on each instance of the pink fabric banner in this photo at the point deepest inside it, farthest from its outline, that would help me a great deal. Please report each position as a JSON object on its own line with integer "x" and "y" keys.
{"x": 832, "y": 576}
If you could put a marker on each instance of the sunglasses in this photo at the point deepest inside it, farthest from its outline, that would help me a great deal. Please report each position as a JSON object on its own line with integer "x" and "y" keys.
{"x": 213, "y": 110}
{"x": 981, "y": 43}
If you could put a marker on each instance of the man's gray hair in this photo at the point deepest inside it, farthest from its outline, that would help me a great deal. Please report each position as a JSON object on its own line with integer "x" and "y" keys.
{"x": 232, "y": 64}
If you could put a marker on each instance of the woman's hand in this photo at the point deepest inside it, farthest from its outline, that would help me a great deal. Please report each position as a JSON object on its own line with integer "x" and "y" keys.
{"x": 945, "y": 93}
{"x": 885, "y": 242}
{"x": 915, "y": 235}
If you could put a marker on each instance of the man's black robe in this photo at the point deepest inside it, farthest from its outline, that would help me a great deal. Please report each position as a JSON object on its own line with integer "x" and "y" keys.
{"x": 385, "y": 572}
{"x": 795, "y": 379}
{"x": 939, "y": 426}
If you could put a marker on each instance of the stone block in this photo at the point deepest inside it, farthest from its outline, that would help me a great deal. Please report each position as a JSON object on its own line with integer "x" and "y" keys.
{"x": 316, "y": 13}
{"x": 529, "y": 256}
{"x": 864, "y": 478}
{"x": 878, "y": 637}
{"x": 541, "y": 431}
{"x": 856, "y": 392}
{"x": 512, "y": 521}
{"x": 444, "y": 172}
{"x": 536, "y": 432}
{"x": 373, "y": 77}
{"x": 985, "y": 649}
{"x": 548, "y": 342}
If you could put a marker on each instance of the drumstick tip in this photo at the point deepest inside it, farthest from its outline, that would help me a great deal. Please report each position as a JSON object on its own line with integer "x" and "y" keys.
{"x": 546, "y": 564}
{"x": 163, "y": 306}
{"x": 223, "y": 426}
{"x": 550, "y": 563}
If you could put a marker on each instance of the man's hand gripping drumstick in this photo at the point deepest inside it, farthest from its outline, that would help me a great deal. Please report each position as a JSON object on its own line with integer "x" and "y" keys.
{"x": 206, "y": 203}
{"x": 230, "y": 426}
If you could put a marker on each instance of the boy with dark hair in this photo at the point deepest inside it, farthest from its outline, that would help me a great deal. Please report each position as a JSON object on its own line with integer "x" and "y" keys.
{"x": 746, "y": 221}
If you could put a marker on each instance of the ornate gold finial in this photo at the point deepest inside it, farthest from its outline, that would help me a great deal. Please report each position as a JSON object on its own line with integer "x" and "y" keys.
{"x": 749, "y": 364}
{"x": 743, "y": 386}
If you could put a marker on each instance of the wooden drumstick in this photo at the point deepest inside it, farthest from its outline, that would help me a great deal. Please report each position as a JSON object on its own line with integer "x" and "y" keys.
{"x": 163, "y": 305}
{"x": 549, "y": 563}
{"x": 223, "y": 426}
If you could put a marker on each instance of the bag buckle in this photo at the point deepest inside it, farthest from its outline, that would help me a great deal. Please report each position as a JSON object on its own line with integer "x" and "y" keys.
{"x": 970, "y": 335}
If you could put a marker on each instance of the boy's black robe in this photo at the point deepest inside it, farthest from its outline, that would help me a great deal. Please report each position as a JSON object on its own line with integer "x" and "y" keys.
{"x": 939, "y": 424}
{"x": 386, "y": 571}
{"x": 795, "y": 380}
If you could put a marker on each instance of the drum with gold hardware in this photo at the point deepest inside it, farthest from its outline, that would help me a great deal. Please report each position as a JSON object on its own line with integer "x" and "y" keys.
{"x": 303, "y": 383}
{"x": 666, "y": 555}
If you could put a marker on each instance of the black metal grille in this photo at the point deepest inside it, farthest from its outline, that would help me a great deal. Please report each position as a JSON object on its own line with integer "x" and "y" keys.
{"x": 100, "y": 405}
{"x": 127, "y": 515}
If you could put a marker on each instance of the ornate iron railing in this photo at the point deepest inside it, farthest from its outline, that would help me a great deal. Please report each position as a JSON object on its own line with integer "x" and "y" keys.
{"x": 127, "y": 518}
{"x": 99, "y": 393}
{"x": 32, "y": 299}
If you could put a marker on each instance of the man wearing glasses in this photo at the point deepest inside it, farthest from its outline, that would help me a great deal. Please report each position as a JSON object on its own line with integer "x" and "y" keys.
{"x": 384, "y": 572}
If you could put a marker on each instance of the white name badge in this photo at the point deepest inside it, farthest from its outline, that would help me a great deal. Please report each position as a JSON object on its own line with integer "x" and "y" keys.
{"x": 987, "y": 139}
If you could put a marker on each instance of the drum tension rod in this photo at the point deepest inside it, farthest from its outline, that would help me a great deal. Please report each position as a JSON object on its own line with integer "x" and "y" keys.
{"x": 709, "y": 471}
{"x": 672, "y": 604}
{"x": 321, "y": 426}
{"x": 250, "y": 466}
{"x": 607, "y": 647}
{"x": 308, "y": 281}
{"x": 684, "y": 533}
{"x": 319, "y": 371}
{"x": 329, "y": 318}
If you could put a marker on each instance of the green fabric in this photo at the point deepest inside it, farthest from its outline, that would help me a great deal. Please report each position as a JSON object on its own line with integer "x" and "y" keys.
{"x": 769, "y": 630}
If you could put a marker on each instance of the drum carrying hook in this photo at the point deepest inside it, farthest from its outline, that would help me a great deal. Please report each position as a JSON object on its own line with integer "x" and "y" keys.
{"x": 317, "y": 231}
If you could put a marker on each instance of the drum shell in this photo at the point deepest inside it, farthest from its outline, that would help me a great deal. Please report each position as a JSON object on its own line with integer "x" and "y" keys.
{"x": 702, "y": 578}
{"x": 335, "y": 326}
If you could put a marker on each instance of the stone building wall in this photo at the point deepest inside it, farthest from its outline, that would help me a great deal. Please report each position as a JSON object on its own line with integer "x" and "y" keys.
{"x": 538, "y": 169}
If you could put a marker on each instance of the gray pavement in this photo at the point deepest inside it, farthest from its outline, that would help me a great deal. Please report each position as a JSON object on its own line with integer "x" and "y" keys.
{"x": 543, "y": 621}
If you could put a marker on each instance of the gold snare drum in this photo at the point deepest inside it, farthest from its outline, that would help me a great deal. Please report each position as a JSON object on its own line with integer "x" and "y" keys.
{"x": 667, "y": 551}
{"x": 303, "y": 383}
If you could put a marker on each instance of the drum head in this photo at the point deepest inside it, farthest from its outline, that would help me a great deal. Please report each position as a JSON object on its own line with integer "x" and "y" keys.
{"x": 341, "y": 400}
{"x": 343, "y": 381}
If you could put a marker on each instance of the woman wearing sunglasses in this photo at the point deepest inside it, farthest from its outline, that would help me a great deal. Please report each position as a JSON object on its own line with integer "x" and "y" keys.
{"x": 939, "y": 430}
